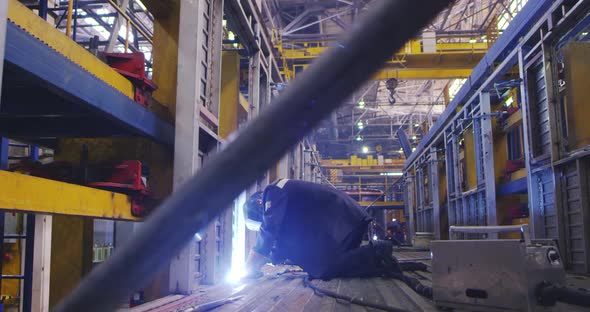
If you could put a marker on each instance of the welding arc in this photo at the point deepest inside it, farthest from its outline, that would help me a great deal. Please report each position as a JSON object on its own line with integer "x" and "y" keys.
{"x": 353, "y": 300}
{"x": 311, "y": 97}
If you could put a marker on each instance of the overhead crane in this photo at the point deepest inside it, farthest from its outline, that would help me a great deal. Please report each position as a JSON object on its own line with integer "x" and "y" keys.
{"x": 418, "y": 59}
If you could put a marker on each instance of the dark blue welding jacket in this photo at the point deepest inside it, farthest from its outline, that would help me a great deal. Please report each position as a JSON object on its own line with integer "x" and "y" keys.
{"x": 308, "y": 223}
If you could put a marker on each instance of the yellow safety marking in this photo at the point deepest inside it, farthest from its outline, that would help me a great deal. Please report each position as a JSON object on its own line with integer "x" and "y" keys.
{"x": 521, "y": 173}
{"x": 381, "y": 204}
{"x": 19, "y": 192}
{"x": 244, "y": 103}
{"x": 24, "y": 18}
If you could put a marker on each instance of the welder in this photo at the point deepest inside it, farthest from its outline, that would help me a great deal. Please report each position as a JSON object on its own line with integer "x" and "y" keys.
{"x": 316, "y": 227}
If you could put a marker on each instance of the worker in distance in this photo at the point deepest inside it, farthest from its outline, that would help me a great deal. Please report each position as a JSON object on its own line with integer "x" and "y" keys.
{"x": 316, "y": 227}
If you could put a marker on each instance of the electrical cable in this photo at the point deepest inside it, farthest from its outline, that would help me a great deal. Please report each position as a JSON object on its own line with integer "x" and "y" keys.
{"x": 548, "y": 295}
{"x": 352, "y": 300}
{"x": 312, "y": 96}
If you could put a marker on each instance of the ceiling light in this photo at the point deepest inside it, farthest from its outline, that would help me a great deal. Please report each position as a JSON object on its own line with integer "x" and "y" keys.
{"x": 401, "y": 150}
{"x": 360, "y": 125}
{"x": 417, "y": 125}
{"x": 414, "y": 137}
{"x": 365, "y": 149}
{"x": 361, "y": 103}
{"x": 393, "y": 220}
{"x": 391, "y": 174}
{"x": 472, "y": 41}
{"x": 413, "y": 149}
{"x": 359, "y": 138}
{"x": 585, "y": 34}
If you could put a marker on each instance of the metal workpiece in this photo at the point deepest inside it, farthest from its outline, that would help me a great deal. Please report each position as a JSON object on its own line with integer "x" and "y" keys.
{"x": 311, "y": 97}
{"x": 493, "y": 275}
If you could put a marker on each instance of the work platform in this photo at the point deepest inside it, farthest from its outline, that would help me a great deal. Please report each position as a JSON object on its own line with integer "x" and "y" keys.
{"x": 54, "y": 88}
{"x": 280, "y": 290}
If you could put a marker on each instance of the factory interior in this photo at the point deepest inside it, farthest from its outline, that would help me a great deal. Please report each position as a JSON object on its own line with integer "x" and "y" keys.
{"x": 133, "y": 134}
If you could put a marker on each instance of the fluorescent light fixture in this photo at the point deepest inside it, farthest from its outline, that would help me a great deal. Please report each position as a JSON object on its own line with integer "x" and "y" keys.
{"x": 509, "y": 102}
{"x": 365, "y": 149}
{"x": 585, "y": 34}
{"x": 472, "y": 41}
{"x": 392, "y": 174}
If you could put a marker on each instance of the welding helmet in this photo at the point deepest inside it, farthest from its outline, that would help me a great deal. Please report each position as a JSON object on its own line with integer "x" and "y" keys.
{"x": 253, "y": 211}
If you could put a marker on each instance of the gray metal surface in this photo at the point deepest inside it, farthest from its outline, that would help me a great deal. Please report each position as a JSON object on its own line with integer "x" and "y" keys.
{"x": 491, "y": 275}
{"x": 576, "y": 252}
{"x": 539, "y": 108}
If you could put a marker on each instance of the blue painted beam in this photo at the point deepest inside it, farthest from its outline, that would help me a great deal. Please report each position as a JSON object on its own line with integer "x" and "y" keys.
{"x": 513, "y": 187}
{"x": 82, "y": 88}
{"x": 520, "y": 26}
{"x": 3, "y": 154}
{"x": 403, "y": 141}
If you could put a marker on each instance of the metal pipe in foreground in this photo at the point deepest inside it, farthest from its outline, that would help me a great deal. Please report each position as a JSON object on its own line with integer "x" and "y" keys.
{"x": 311, "y": 97}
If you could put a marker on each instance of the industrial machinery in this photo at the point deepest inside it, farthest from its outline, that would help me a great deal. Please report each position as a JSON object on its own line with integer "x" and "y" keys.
{"x": 498, "y": 275}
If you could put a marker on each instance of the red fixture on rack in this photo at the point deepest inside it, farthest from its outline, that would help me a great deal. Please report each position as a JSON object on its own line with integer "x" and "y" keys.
{"x": 132, "y": 66}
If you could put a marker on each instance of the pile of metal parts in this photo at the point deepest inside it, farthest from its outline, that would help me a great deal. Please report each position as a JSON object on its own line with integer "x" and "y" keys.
{"x": 499, "y": 274}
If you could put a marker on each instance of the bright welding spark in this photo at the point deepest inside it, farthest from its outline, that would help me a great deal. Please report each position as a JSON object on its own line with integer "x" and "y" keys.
{"x": 235, "y": 275}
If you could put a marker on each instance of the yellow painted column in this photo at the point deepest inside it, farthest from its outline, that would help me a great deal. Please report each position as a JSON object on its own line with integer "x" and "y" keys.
{"x": 159, "y": 161}
{"x": 470, "y": 165}
{"x": 230, "y": 93}
{"x": 165, "y": 51}
{"x": 71, "y": 255}
{"x": 577, "y": 71}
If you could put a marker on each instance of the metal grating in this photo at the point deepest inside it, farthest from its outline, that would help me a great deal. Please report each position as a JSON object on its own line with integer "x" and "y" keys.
{"x": 539, "y": 109}
{"x": 546, "y": 203}
{"x": 573, "y": 219}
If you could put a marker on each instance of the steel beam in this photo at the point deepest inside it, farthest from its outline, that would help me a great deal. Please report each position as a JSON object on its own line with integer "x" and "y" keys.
{"x": 487, "y": 140}
{"x": 183, "y": 272}
{"x": 3, "y": 18}
{"x": 25, "y": 193}
{"x": 434, "y": 194}
{"x": 124, "y": 4}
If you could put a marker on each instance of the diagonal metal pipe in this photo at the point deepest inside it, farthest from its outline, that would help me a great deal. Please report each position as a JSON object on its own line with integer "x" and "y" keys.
{"x": 311, "y": 97}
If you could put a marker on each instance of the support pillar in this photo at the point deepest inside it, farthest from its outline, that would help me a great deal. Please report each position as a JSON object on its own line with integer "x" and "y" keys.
{"x": 487, "y": 150}
{"x": 198, "y": 78}
{"x": 42, "y": 263}
{"x": 123, "y": 4}
{"x": 434, "y": 194}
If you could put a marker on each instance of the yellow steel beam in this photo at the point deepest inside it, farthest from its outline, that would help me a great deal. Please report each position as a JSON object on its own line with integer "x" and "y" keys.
{"x": 449, "y": 61}
{"x": 21, "y": 16}
{"x": 382, "y": 204}
{"x": 20, "y": 192}
{"x": 312, "y": 50}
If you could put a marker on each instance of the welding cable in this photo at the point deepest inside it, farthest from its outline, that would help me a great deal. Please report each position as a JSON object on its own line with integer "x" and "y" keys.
{"x": 548, "y": 294}
{"x": 414, "y": 284}
{"x": 353, "y": 300}
{"x": 310, "y": 98}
